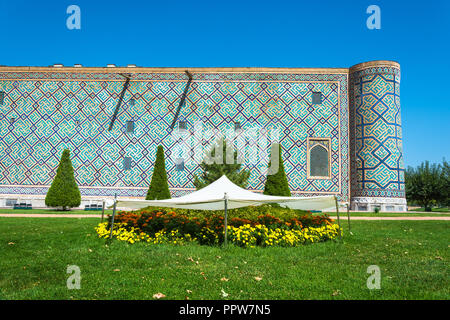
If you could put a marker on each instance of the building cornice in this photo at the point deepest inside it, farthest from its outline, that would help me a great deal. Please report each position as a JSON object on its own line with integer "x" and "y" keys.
{"x": 131, "y": 70}
{"x": 374, "y": 64}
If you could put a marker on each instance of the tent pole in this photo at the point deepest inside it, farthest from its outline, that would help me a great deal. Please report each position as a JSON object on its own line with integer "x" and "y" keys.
{"x": 337, "y": 212}
{"x": 113, "y": 215}
{"x": 103, "y": 209}
{"x": 226, "y": 218}
{"x": 348, "y": 216}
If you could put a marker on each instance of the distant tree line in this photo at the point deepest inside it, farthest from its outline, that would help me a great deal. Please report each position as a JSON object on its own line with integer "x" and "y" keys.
{"x": 428, "y": 184}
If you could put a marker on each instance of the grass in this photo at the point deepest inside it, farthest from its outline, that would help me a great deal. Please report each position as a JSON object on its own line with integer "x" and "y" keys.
{"x": 34, "y": 254}
{"x": 434, "y": 209}
{"x": 391, "y": 214}
{"x": 53, "y": 211}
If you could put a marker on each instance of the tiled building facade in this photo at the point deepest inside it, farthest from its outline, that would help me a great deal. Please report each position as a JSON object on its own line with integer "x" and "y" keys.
{"x": 339, "y": 129}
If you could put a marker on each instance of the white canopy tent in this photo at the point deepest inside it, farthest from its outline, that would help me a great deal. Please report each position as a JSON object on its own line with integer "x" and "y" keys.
{"x": 224, "y": 193}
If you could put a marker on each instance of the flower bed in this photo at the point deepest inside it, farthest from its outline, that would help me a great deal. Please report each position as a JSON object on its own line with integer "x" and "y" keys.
{"x": 260, "y": 235}
{"x": 159, "y": 226}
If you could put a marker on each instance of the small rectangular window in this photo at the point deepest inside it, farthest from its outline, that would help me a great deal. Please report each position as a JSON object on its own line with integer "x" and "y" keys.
{"x": 182, "y": 125}
{"x": 10, "y": 202}
{"x": 317, "y": 98}
{"x": 132, "y": 102}
{"x": 2, "y": 97}
{"x": 127, "y": 163}
{"x": 362, "y": 207}
{"x": 130, "y": 126}
{"x": 237, "y": 126}
{"x": 179, "y": 164}
{"x": 12, "y": 120}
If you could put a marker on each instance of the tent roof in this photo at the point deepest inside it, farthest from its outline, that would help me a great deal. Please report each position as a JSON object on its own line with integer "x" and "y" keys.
{"x": 212, "y": 197}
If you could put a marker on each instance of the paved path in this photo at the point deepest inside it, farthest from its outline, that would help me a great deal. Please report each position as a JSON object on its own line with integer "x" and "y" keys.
{"x": 74, "y": 215}
{"x": 51, "y": 215}
{"x": 393, "y": 218}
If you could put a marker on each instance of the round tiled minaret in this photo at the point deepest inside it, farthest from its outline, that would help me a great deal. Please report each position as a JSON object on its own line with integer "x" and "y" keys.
{"x": 377, "y": 170}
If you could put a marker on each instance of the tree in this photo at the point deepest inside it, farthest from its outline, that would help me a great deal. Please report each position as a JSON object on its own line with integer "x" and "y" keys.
{"x": 159, "y": 187}
{"x": 425, "y": 185}
{"x": 277, "y": 183}
{"x": 64, "y": 190}
{"x": 218, "y": 165}
{"x": 446, "y": 183}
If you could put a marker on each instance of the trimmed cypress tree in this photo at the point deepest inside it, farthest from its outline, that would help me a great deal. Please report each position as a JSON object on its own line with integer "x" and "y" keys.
{"x": 64, "y": 190}
{"x": 159, "y": 187}
{"x": 277, "y": 184}
{"x": 214, "y": 170}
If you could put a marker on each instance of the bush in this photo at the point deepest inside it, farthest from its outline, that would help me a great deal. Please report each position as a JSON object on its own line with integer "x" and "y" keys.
{"x": 243, "y": 236}
{"x": 277, "y": 183}
{"x": 249, "y": 213}
{"x": 260, "y": 235}
{"x": 64, "y": 190}
{"x": 159, "y": 187}
{"x": 206, "y": 229}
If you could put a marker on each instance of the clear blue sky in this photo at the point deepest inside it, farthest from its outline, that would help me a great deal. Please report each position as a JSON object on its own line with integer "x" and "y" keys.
{"x": 229, "y": 33}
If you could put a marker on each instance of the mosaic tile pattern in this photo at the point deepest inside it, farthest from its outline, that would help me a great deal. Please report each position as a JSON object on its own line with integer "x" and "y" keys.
{"x": 376, "y": 135}
{"x": 53, "y": 111}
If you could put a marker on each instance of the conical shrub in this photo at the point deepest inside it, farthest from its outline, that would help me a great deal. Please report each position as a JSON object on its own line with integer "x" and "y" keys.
{"x": 277, "y": 183}
{"x": 159, "y": 187}
{"x": 64, "y": 190}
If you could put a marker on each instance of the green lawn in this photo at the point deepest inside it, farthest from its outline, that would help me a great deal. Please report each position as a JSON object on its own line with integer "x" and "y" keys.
{"x": 34, "y": 254}
{"x": 392, "y": 214}
{"x": 435, "y": 209}
{"x": 52, "y": 211}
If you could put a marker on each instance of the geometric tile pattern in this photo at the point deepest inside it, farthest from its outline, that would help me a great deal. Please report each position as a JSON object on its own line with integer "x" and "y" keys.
{"x": 45, "y": 112}
{"x": 376, "y": 135}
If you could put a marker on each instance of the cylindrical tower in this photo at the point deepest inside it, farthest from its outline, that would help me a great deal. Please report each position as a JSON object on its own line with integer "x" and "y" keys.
{"x": 377, "y": 170}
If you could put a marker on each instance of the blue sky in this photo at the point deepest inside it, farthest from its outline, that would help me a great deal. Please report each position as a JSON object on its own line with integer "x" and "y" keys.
{"x": 258, "y": 33}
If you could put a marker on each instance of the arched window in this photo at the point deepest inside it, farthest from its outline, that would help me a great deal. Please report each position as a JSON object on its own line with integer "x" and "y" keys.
{"x": 319, "y": 158}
